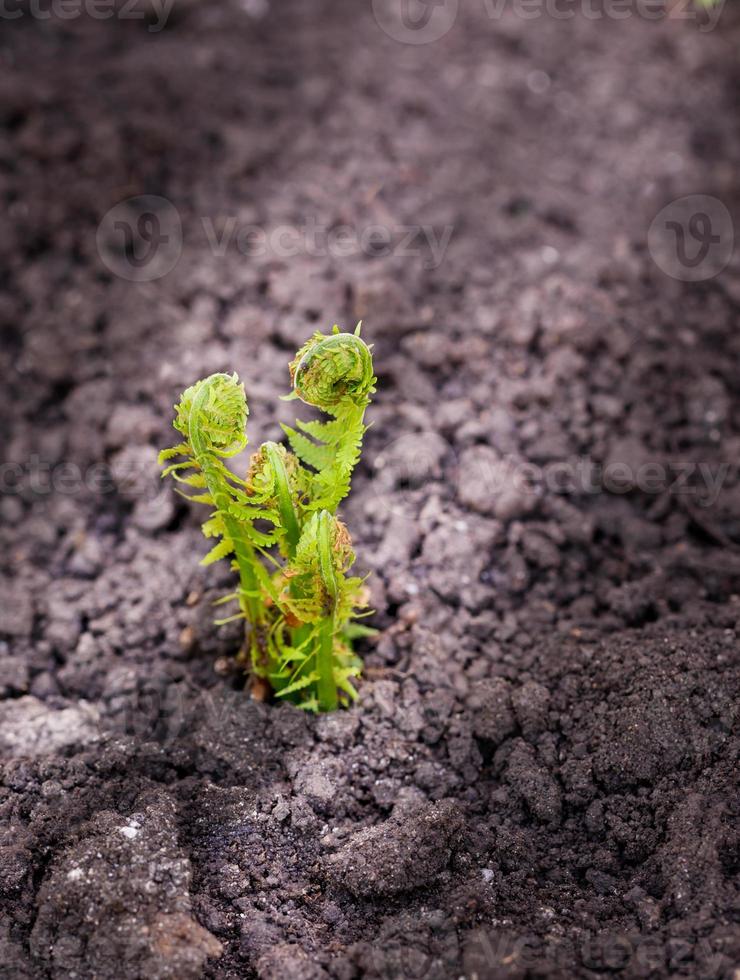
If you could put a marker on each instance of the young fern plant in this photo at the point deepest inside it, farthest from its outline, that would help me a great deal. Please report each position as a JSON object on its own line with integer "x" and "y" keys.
{"x": 212, "y": 416}
{"x": 335, "y": 374}
{"x": 278, "y": 523}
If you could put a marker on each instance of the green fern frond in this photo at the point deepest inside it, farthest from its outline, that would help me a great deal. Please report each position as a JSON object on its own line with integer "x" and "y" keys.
{"x": 212, "y": 416}
{"x": 308, "y": 452}
{"x": 334, "y": 373}
{"x": 302, "y": 610}
{"x": 298, "y": 685}
{"x": 221, "y": 550}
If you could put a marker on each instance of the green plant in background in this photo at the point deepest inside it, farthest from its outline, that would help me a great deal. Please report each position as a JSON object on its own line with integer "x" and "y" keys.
{"x": 278, "y": 523}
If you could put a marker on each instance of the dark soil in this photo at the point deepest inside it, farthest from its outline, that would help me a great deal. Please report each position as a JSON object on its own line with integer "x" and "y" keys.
{"x": 540, "y": 777}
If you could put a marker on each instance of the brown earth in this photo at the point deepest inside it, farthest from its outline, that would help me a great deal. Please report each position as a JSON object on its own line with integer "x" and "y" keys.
{"x": 540, "y": 778}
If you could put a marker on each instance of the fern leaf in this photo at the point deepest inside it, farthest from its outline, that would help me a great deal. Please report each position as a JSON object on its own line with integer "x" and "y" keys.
{"x": 329, "y": 432}
{"x": 221, "y": 550}
{"x": 298, "y": 685}
{"x": 308, "y": 452}
{"x": 202, "y": 498}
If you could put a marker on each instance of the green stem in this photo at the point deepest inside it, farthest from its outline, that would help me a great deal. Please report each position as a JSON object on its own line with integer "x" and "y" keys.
{"x": 288, "y": 516}
{"x": 326, "y": 685}
{"x": 246, "y": 559}
{"x": 289, "y": 521}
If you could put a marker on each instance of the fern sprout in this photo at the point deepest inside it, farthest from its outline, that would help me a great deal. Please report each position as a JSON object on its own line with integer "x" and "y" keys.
{"x": 333, "y": 373}
{"x": 212, "y": 417}
{"x": 278, "y": 523}
{"x": 329, "y": 371}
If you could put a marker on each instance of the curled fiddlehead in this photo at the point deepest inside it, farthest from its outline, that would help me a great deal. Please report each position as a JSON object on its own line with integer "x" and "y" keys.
{"x": 213, "y": 413}
{"x": 334, "y": 373}
{"x": 330, "y": 370}
{"x": 212, "y": 416}
{"x": 318, "y": 601}
{"x": 276, "y": 479}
